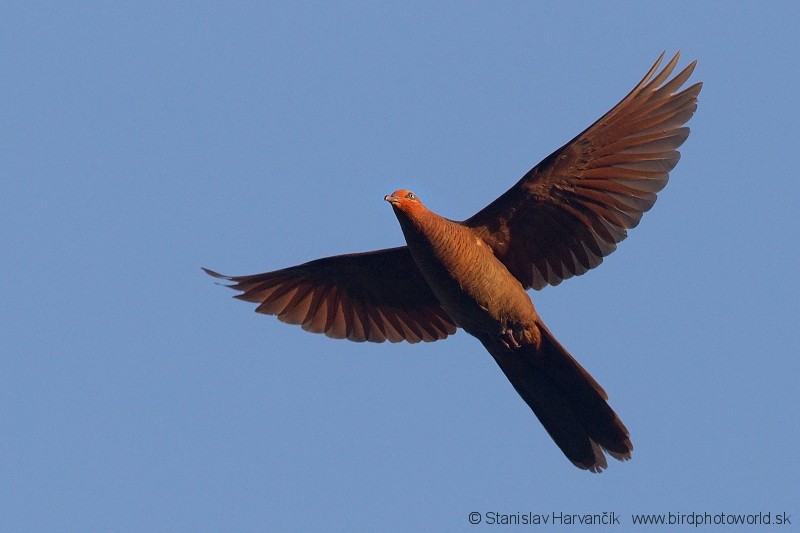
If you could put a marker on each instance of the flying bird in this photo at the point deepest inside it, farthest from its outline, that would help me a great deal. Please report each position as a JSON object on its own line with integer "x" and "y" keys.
{"x": 560, "y": 220}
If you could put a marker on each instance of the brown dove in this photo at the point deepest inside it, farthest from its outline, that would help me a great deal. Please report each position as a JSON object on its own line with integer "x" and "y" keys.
{"x": 558, "y": 221}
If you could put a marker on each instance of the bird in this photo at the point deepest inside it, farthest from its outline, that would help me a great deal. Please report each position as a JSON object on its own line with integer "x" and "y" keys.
{"x": 558, "y": 221}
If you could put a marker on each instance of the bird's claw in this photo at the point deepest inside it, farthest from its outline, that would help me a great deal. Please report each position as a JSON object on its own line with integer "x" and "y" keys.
{"x": 509, "y": 341}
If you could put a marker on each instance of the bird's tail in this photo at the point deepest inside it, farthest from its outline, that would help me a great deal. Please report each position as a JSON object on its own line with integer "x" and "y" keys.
{"x": 568, "y": 402}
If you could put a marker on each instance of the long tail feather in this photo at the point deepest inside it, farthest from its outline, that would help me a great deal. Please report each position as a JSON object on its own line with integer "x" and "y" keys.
{"x": 567, "y": 401}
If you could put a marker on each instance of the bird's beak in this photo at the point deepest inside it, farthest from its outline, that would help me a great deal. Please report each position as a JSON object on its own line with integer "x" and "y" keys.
{"x": 391, "y": 199}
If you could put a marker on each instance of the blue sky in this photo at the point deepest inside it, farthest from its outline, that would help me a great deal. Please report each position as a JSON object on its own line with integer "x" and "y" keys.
{"x": 141, "y": 143}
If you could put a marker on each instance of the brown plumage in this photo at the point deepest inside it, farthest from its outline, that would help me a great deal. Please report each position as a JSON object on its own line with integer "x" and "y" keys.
{"x": 558, "y": 221}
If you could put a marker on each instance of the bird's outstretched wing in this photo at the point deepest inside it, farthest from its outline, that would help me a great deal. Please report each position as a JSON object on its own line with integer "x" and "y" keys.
{"x": 372, "y": 296}
{"x": 570, "y": 211}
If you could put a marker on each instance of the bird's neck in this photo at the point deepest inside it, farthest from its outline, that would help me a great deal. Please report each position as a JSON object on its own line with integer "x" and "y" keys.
{"x": 424, "y": 230}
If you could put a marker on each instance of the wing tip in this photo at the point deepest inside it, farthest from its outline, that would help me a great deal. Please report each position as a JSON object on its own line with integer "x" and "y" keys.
{"x": 215, "y": 274}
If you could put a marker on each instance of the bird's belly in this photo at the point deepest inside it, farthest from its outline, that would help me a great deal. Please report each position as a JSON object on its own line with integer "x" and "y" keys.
{"x": 478, "y": 292}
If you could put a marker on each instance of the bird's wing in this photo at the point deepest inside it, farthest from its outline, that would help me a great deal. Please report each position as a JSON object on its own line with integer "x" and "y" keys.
{"x": 372, "y": 296}
{"x": 572, "y": 209}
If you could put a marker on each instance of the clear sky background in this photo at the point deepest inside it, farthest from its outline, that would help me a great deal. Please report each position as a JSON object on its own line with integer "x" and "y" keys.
{"x": 141, "y": 143}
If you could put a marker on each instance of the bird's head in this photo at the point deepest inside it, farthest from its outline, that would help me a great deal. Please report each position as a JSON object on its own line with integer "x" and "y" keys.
{"x": 405, "y": 201}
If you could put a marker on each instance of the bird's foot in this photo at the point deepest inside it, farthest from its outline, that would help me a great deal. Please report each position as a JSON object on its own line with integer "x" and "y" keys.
{"x": 509, "y": 340}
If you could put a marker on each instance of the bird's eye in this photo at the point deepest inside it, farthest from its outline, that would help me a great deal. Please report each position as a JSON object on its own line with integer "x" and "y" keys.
{"x": 411, "y": 196}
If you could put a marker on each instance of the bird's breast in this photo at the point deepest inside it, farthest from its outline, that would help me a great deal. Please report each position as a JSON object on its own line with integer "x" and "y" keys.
{"x": 473, "y": 286}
